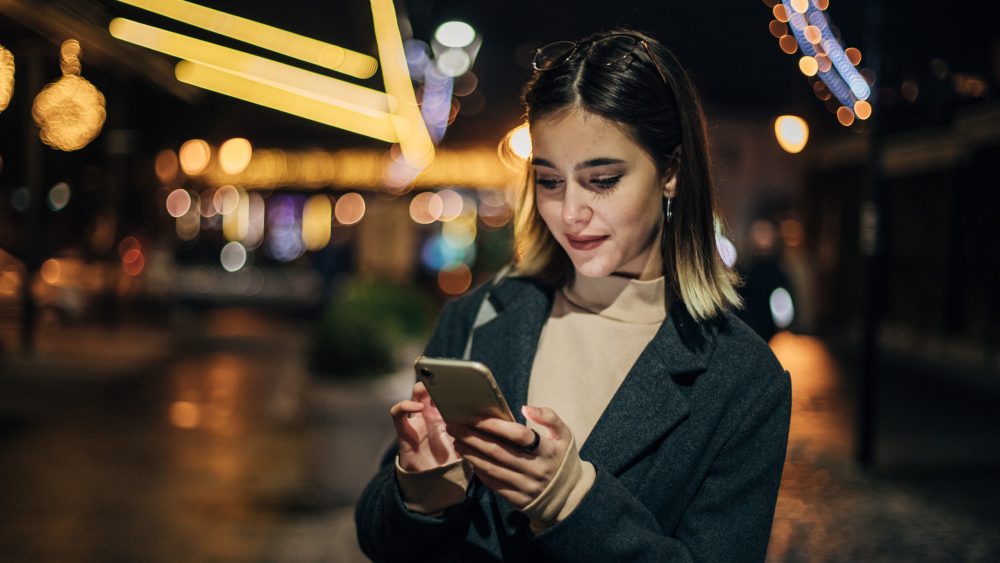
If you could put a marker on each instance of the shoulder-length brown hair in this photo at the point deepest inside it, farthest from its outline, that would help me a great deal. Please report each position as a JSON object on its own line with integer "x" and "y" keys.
{"x": 616, "y": 78}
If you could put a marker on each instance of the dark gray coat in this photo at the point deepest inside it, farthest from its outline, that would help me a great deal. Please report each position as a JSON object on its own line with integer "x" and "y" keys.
{"x": 688, "y": 453}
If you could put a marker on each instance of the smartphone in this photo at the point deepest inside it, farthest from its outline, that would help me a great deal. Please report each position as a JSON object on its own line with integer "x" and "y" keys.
{"x": 462, "y": 390}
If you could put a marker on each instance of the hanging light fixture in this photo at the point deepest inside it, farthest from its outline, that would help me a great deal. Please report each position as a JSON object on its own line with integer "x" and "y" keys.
{"x": 6, "y": 77}
{"x": 70, "y": 111}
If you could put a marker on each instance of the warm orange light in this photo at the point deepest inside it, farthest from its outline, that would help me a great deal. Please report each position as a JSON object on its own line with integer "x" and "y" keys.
{"x": 178, "y": 202}
{"x": 426, "y": 207}
{"x": 863, "y": 109}
{"x": 194, "y": 156}
{"x": 234, "y": 155}
{"x": 184, "y": 414}
{"x": 822, "y": 4}
{"x": 780, "y": 13}
{"x": 808, "y": 66}
{"x": 350, "y": 208}
{"x": 777, "y": 28}
{"x": 167, "y": 166}
{"x": 456, "y": 280}
{"x": 128, "y": 243}
{"x": 6, "y": 77}
{"x": 845, "y": 116}
{"x": 813, "y": 34}
{"x": 800, "y": 6}
{"x": 788, "y": 44}
{"x": 792, "y": 232}
{"x": 50, "y": 271}
{"x": 853, "y": 55}
{"x": 133, "y": 262}
{"x": 792, "y": 133}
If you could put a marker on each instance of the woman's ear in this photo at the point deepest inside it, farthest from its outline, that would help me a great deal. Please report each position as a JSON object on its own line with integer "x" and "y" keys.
{"x": 670, "y": 186}
{"x": 670, "y": 175}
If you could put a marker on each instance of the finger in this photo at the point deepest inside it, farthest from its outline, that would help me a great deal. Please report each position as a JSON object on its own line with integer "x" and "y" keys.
{"x": 499, "y": 451}
{"x": 420, "y": 392}
{"x": 405, "y": 407}
{"x": 503, "y": 476}
{"x": 513, "y": 432}
{"x": 548, "y": 419}
{"x": 408, "y": 430}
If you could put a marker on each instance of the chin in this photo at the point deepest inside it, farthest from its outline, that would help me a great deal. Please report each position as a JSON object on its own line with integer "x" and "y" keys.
{"x": 593, "y": 268}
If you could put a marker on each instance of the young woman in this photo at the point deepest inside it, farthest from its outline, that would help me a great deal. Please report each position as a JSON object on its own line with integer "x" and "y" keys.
{"x": 652, "y": 424}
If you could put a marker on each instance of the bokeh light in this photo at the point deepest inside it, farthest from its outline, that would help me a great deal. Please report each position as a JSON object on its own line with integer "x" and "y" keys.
{"x": 456, "y": 34}
{"x": 233, "y": 256}
{"x": 727, "y": 250}
{"x": 863, "y": 109}
{"x": 350, "y": 208}
{"x": 166, "y": 166}
{"x": 50, "y": 271}
{"x": 519, "y": 141}
{"x": 195, "y": 155}
{"x": 6, "y": 77}
{"x": 792, "y": 232}
{"x": 426, "y": 207}
{"x": 317, "y": 222}
{"x": 782, "y": 308}
{"x": 226, "y": 199}
{"x": 451, "y": 204}
{"x": 235, "y": 155}
{"x": 133, "y": 262}
{"x": 792, "y": 133}
{"x": 788, "y": 44}
{"x": 808, "y": 66}
{"x": 178, "y": 202}
{"x": 845, "y": 116}
{"x": 455, "y": 281}
{"x": 59, "y": 196}
{"x": 853, "y": 55}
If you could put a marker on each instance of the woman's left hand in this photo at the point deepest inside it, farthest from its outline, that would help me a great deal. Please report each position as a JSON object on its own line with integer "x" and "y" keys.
{"x": 496, "y": 450}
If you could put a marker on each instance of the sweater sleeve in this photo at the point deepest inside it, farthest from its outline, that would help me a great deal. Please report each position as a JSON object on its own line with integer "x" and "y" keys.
{"x": 432, "y": 491}
{"x": 728, "y": 520}
{"x": 563, "y": 494}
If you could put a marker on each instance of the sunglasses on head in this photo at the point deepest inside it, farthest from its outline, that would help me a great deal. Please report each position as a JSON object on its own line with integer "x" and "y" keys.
{"x": 559, "y": 52}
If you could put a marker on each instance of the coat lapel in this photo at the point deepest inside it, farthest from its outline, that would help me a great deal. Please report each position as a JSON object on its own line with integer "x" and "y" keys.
{"x": 649, "y": 403}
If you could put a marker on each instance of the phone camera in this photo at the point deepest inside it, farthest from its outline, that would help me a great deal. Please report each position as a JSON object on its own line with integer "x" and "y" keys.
{"x": 427, "y": 374}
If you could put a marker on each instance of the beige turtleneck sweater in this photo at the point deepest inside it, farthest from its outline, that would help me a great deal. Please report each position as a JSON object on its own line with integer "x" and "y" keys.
{"x": 595, "y": 332}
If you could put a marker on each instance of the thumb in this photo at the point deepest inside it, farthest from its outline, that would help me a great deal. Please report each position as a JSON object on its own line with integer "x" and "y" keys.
{"x": 548, "y": 419}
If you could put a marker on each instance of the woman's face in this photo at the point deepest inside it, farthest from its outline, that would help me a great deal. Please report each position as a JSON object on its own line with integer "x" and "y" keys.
{"x": 598, "y": 192}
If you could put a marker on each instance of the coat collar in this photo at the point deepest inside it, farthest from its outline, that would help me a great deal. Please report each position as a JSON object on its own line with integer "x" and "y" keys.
{"x": 650, "y": 391}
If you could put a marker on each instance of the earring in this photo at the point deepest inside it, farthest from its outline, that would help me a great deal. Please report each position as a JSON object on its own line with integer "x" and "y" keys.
{"x": 669, "y": 213}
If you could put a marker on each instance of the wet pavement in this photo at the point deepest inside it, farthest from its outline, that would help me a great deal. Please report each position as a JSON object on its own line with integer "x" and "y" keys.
{"x": 206, "y": 439}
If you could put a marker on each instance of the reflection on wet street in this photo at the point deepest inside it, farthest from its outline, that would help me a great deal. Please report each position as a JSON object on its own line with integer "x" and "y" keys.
{"x": 213, "y": 443}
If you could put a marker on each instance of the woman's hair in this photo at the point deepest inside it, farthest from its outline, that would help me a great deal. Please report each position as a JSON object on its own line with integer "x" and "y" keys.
{"x": 667, "y": 121}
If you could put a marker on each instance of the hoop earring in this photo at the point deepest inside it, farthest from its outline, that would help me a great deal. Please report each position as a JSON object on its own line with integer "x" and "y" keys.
{"x": 669, "y": 213}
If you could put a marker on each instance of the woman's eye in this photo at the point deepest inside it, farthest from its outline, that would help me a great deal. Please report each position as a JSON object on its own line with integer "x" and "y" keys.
{"x": 547, "y": 183}
{"x": 605, "y": 183}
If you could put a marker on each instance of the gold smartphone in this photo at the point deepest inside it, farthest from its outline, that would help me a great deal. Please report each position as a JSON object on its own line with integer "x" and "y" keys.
{"x": 462, "y": 390}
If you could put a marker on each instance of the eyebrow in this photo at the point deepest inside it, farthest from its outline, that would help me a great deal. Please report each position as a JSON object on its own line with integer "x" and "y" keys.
{"x": 585, "y": 164}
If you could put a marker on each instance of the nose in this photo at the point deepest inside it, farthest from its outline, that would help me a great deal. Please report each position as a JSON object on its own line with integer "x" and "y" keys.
{"x": 576, "y": 204}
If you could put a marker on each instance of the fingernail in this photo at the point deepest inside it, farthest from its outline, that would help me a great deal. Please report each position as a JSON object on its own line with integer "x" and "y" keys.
{"x": 529, "y": 411}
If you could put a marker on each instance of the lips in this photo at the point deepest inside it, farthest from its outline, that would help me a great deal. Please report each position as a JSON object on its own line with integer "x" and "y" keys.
{"x": 585, "y": 243}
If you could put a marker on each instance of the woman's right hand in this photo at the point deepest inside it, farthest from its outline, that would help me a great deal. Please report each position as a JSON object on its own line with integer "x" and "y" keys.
{"x": 423, "y": 441}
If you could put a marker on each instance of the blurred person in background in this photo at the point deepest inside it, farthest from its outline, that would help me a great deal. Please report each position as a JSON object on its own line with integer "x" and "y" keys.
{"x": 652, "y": 423}
{"x": 766, "y": 290}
